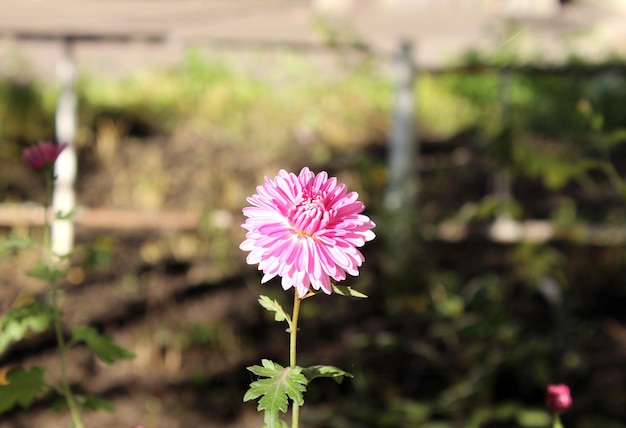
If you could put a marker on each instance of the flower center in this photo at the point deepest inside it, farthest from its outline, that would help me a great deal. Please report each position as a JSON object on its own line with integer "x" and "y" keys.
{"x": 309, "y": 215}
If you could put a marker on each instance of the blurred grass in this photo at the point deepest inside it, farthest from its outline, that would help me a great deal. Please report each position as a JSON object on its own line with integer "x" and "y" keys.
{"x": 241, "y": 104}
{"x": 294, "y": 101}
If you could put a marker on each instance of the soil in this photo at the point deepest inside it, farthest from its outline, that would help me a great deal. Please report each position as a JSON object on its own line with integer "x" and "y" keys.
{"x": 185, "y": 306}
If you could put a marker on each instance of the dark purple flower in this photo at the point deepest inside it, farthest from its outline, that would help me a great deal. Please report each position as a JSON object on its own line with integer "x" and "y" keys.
{"x": 42, "y": 155}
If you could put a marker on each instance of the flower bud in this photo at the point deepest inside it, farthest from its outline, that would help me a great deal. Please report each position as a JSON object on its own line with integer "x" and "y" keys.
{"x": 558, "y": 398}
{"x": 42, "y": 155}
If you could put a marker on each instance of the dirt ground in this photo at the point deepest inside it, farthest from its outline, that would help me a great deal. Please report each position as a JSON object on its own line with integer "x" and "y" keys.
{"x": 186, "y": 307}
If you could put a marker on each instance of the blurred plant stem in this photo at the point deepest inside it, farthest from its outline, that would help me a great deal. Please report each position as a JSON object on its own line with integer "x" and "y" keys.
{"x": 292, "y": 350}
{"x": 556, "y": 421}
{"x": 56, "y": 312}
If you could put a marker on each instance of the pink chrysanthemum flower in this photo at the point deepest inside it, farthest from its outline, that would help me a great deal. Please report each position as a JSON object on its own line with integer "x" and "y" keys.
{"x": 42, "y": 155}
{"x": 305, "y": 229}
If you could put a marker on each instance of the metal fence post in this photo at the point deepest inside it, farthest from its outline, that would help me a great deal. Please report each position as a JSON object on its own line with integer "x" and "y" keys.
{"x": 64, "y": 199}
{"x": 505, "y": 228}
{"x": 402, "y": 186}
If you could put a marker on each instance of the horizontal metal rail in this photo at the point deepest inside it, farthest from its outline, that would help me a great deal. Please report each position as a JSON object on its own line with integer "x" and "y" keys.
{"x": 103, "y": 218}
{"x": 469, "y": 67}
{"x": 84, "y": 36}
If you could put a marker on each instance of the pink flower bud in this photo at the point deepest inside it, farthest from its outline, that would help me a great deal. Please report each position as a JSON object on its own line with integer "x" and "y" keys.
{"x": 42, "y": 155}
{"x": 558, "y": 398}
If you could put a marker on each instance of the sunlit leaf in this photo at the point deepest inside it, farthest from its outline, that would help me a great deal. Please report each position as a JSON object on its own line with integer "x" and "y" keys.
{"x": 277, "y": 386}
{"x": 325, "y": 371}
{"x": 101, "y": 345}
{"x": 533, "y": 418}
{"x": 15, "y": 324}
{"x": 344, "y": 290}
{"x": 273, "y": 306}
{"x": 23, "y": 387}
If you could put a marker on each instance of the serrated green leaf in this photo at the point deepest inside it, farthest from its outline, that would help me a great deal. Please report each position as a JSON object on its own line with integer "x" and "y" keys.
{"x": 101, "y": 345}
{"x": 15, "y": 324}
{"x": 16, "y": 242}
{"x": 92, "y": 402}
{"x": 344, "y": 290}
{"x": 23, "y": 387}
{"x": 280, "y": 384}
{"x": 325, "y": 371}
{"x": 273, "y": 306}
{"x": 46, "y": 272}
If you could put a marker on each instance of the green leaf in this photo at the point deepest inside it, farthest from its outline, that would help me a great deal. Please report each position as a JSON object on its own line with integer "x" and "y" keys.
{"x": 101, "y": 345}
{"x": 274, "y": 306}
{"x": 66, "y": 215}
{"x": 533, "y": 418}
{"x": 344, "y": 290}
{"x": 59, "y": 404}
{"x": 16, "y": 242}
{"x": 17, "y": 322}
{"x": 92, "y": 402}
{"x": 23, "y": 387}
{"x": 46, "y": 272}
{"x": 325, "y": 371}
{"x": 280, "y": 383}
{"x": 281, "y": 424}
{"x": 88, "y": 402}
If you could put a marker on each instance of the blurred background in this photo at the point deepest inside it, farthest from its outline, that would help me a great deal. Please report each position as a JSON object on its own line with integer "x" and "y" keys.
{"x": 486, "y": 138}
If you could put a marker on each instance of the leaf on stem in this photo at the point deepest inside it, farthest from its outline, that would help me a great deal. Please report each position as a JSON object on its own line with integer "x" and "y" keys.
{"x": 23, "y": 387}
{"x": 281, "y": 424}
{"x": 273, "y": 306}
{"x": 16, "y": 242}
{"x": 325, "y": 371}
{"x": 344, "y": 290}
{"x": 46, "y": 272}
{"x": 17, "y": 322}
{"x": 67, "y": 215}
{"x": 101, "y": 345}
{"x": 279, "y": 384}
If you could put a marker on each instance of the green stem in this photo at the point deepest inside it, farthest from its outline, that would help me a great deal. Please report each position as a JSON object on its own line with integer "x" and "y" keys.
{"x": 556, "y": 421}
{"x": 47, "y": 247}
{"x": 67, "y": 391}
{"x": 292, "y": 350}
{"x": 56, "y": 315}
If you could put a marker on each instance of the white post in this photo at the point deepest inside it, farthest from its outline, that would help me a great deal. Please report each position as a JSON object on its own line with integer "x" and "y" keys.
{"x": 63, "y": 198}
